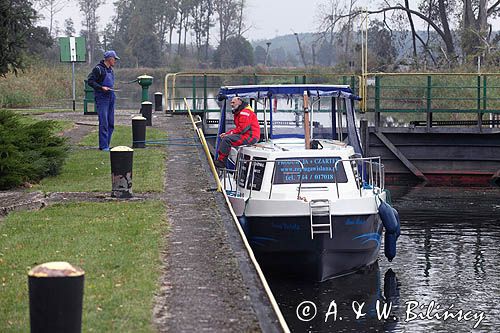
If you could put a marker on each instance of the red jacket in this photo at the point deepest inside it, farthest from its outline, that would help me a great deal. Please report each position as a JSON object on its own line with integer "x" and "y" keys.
{"x": 246, "y": 123}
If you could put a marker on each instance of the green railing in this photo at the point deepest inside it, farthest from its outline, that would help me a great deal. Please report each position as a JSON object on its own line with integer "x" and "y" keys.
{"x": 422, "y": 99}
{"x": 427, "y": 99}
{"x": 201, "y": 89}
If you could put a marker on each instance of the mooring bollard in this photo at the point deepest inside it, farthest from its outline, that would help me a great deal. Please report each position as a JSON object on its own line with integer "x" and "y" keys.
{"x": 121, "y": 171}
{"x": 138, "y": 132}
{"x": 56, "y": 297}
{"x": 158, "y": 101}
{"x": 147, "y": 112}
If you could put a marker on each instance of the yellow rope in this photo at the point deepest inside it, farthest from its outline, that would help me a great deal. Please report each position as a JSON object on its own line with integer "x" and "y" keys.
{"x": 263, "y": 280}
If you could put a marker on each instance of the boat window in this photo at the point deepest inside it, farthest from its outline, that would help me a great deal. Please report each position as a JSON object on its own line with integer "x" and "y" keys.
{"x": 316, "y": 170}
{"x": 243, "y": 170}
{"x": 256, "y": 171}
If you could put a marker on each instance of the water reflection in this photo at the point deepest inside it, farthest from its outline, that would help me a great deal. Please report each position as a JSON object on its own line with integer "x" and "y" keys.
{"x": 447, "y": 263}
{"x": 335, "y": 305}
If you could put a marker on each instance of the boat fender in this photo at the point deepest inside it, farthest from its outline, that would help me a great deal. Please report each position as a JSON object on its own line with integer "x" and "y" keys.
{"x": 390, "y": 245}
{"x": 398, "y": 222}
{"x": 386, "y": 213}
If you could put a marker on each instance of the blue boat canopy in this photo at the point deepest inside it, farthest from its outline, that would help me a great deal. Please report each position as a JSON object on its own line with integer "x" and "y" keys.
{"x": 285, "y": 121}
{"x": 263, "y": 91}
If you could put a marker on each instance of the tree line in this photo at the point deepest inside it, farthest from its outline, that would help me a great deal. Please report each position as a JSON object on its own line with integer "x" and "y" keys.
{"x": 156, "y": 32}
{"x": 433, "y": 34}
{"x": 443, "y": 33}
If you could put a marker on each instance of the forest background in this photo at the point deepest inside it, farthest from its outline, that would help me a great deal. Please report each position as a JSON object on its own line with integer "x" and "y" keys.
{"x": 210, "y": 34}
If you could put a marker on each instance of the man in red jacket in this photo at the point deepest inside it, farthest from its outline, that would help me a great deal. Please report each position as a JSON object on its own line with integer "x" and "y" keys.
{"x": 247, "y": 130}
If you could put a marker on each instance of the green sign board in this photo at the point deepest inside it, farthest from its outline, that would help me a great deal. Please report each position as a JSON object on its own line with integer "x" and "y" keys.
{"x": 72, "y": 49}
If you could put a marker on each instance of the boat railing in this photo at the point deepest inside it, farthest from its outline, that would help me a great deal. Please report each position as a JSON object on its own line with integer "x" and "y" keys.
{"x": 368, "y": 172}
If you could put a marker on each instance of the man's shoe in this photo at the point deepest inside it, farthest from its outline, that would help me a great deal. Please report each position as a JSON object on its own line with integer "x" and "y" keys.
{"x": 104, "y": 149}
{"x": 219, "y": 164}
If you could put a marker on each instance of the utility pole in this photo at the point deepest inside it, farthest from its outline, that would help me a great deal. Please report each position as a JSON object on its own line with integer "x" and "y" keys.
{"x": 267, "y": 53}
{"x": 301, "y": 50}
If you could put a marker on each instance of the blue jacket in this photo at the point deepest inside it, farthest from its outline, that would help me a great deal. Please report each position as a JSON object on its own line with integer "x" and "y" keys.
{"x": 97, "y": 76}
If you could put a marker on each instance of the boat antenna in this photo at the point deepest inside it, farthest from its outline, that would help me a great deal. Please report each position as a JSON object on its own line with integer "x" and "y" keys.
{"x": 307, "y": 128}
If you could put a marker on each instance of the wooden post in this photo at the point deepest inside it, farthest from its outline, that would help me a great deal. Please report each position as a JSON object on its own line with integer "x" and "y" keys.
{"x": 307, "y": 127}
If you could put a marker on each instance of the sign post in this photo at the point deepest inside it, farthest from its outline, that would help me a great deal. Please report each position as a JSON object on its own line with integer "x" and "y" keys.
{"x": 73, "y": 50}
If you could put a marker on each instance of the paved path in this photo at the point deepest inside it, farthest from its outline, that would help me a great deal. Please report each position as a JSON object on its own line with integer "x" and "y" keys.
{"x": 208, "y": 284}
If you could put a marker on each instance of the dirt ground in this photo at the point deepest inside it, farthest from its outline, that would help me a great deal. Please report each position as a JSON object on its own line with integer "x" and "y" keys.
{"x": 208, "y": 282}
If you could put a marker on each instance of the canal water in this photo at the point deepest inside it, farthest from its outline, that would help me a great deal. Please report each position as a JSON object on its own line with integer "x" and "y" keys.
{"x": 445, "y": 277}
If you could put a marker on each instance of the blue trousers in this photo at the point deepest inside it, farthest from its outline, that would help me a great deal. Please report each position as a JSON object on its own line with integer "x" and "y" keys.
{"x": 105, "y": 104}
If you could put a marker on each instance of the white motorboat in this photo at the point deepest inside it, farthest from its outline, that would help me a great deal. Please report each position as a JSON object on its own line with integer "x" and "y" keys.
{"x": 308, "y": 201}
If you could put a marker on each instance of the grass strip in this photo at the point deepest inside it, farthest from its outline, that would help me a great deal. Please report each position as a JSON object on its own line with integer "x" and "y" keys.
{"x": 90, "y": 171}
{"x": 117, "y": 244}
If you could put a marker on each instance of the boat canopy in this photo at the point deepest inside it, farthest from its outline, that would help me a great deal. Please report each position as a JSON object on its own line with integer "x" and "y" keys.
{"x": 288, "y": 90}
{"x": 286, "y": 120}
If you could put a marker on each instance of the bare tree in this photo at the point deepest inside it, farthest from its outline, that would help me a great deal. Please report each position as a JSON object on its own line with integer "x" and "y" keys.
{"x": 166, "y": 21}
{"x": 474, "y": 22}
{"x": 229, "y": 18}
{"x": 327, "y": 15}
{"x": 51, "y": 7}
{"x": 202, "y": 22}
{"x": 89, "y": 9}
{"x": 335, "y": 17}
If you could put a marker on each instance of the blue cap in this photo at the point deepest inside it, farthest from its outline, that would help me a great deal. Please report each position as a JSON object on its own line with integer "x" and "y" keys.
{"x": 111, "y": 53}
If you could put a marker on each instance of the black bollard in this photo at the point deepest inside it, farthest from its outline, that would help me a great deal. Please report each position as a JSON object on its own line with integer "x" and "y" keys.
{"x": 158, "y": 101}
{"x": 56, "y": 298}
{"x": 147, "y": 112}
{"x": 122, "y": 158}
{"x": 138, "y": 132}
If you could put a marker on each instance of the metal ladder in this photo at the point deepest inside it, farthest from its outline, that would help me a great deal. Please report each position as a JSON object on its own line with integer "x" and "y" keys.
{"x": 320, "y": 207}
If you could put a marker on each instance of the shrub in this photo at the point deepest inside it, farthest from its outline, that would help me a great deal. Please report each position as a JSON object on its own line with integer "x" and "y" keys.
{"x": 29, "y": 151}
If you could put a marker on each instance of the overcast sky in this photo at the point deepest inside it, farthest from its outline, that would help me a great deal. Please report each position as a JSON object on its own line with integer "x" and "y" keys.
{"x": 266, "y": 18}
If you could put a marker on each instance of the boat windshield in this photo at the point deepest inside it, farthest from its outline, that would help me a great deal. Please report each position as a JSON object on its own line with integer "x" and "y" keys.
{"x": 286, "y": 118}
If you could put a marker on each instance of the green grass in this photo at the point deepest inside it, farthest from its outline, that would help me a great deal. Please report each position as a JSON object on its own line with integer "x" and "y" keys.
{"x": 90, "y": 171}
{"x": 59, "y": 125}
{"x": 122, "y": 136}
{"x": 116, "y": 244}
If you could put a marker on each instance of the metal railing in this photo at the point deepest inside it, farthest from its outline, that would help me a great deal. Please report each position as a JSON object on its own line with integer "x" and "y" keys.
{"x": 368, "y": 173}
{"x": 447, "y": 96}
{"x": 201, "y": 88}
{"x": 432, "y": 97}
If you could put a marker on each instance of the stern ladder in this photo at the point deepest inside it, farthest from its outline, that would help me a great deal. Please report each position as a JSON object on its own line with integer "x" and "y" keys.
{"x": 317, "y": 208}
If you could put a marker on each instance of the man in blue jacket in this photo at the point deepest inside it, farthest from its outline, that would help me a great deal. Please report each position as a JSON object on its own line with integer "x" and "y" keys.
{"x": 102, "y": 79}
